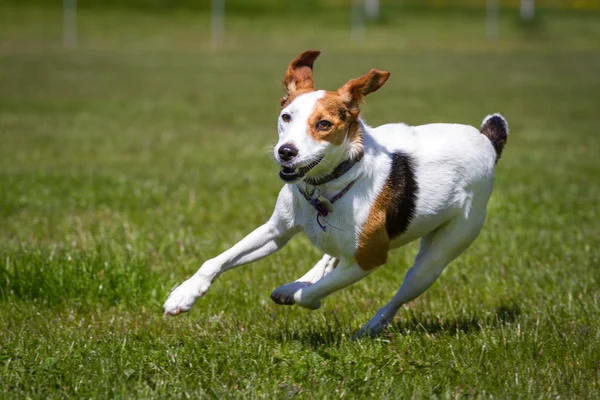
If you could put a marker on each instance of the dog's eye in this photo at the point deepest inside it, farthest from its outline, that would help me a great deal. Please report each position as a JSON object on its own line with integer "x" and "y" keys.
{"x": 286, "y": 117}
{"x": 323, "y": 125}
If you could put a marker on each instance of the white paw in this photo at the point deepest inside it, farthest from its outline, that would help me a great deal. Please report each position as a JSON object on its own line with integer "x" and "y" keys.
{"x": 285, "y": 294}
{"x": 183, "y": 297}
{"x": 292, "y": 294}
{"x": 303, "y": 300}
{"x": 374, "y": 326}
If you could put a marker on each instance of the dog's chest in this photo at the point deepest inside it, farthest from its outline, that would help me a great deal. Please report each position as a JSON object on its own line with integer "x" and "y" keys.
{"x": 336, "y": 233}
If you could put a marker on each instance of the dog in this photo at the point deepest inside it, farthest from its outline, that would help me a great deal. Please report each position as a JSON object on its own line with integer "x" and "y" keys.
{"x": 357, "y": 192}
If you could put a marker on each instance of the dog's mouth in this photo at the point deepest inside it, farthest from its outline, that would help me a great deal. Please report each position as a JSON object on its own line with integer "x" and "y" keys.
{"x": 294, "y": 173}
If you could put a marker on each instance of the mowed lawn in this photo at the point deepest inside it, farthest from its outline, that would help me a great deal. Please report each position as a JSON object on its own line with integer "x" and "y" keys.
{"x": 127, "y": 161}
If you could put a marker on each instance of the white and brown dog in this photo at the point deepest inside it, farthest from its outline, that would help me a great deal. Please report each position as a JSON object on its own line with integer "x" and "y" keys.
{"x": 357, "y": 192}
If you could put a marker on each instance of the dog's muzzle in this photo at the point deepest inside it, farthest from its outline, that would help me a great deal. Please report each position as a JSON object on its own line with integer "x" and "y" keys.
{"x": 293, "y": 173}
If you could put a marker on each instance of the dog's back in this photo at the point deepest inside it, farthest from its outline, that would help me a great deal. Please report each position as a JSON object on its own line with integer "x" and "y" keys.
{"x": 453, "y": 168}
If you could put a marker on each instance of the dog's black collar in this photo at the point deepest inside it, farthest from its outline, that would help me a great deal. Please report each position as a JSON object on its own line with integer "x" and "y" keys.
{"x": 321, "y": 204}
{"x": 340, "y": 170}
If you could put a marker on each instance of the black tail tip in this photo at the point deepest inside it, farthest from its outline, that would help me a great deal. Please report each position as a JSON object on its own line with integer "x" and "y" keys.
{"x": 495, "y": 128}
{"x": 496, "y": 120}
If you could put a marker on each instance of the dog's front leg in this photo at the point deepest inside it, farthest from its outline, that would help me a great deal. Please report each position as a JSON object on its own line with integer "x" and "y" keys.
{"x": 345, "y": 274}
{"x": 262, "y": 242}
{"x": 285, "y": 294}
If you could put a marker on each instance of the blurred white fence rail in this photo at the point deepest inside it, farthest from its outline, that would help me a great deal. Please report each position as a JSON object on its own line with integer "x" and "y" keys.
{"x": 69, "y": 22}
{"x": 358, "y": 21}
{"x": 492, "y": 8}
{"x": 527, "y": 9}
{"x": 372, "y": 9}
{"x": 217, "y": 21}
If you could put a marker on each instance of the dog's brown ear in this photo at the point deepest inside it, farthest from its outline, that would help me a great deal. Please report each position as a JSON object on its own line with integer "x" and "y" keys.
{"x": 355, "y": 90}
{"x": 299, "y": 74}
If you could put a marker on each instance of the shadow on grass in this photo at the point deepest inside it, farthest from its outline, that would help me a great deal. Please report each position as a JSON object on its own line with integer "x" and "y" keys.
{"x": 314, "y": 336}
{"x": 504, "y": 314}
{"x": 332, "y": 335}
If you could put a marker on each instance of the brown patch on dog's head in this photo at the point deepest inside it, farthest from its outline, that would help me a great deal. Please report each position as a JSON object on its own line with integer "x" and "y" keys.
{"x": 298, "y": 78}
{"x": 331, "y": 119}
{"x": 335, "y": 114}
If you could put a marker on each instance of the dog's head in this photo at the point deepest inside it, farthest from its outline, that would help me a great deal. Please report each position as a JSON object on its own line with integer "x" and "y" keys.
{"x": 318, "y": 129}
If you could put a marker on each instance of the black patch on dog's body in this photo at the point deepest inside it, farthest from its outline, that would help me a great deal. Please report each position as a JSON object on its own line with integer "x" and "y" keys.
{"x": 404, "y": 191}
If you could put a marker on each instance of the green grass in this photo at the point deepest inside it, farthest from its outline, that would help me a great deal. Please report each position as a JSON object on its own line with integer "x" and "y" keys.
{"x": 129, "y": 160}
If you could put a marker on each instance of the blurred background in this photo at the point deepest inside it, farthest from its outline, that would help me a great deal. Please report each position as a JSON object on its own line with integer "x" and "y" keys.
{"x": 142, "y": 128}
{"x": 137, "y": 100}
{"x": 135, "y": 144}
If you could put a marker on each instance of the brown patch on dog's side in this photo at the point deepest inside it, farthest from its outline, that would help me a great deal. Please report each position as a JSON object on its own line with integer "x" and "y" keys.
{"x": 373, "y": 241}
{"x": 390, "y": 214}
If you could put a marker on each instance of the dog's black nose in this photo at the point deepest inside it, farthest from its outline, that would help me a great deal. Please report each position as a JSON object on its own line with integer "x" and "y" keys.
{"x": 287, "y": 152}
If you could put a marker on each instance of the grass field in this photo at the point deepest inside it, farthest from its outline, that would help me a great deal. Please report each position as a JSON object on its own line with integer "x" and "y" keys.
{"x": 129, "y": 160}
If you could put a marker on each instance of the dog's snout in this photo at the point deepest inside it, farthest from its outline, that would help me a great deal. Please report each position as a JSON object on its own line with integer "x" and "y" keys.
{"x": 287, "y": 152}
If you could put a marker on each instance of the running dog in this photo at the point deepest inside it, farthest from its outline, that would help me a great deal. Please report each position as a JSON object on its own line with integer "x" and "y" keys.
{"x": 358, "y": 192}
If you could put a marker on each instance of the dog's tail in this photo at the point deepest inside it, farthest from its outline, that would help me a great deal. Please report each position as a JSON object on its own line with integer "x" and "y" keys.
{"x": 495, "y": 128}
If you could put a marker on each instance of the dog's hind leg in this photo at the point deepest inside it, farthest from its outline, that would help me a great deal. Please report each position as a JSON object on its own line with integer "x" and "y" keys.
{"x": 325, "y": 265}
{"x": 285, "y": 293}
{"x": 436, "y": 251}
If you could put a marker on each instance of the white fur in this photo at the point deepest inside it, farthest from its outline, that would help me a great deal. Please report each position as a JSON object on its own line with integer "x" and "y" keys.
{"x": 454, "y": 170}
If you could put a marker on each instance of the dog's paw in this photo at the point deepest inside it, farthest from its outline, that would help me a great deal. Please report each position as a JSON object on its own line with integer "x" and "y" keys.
{"x": 183, "y": 297}
{"x": 292, "y": 294}
{"x": 374, "y": 327}
{"x": 303, "y": 300}
{"x": 284, "y": 295}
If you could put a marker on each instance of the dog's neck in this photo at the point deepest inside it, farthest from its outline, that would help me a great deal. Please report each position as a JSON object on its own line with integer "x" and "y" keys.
{"x": 338, "y": 177}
